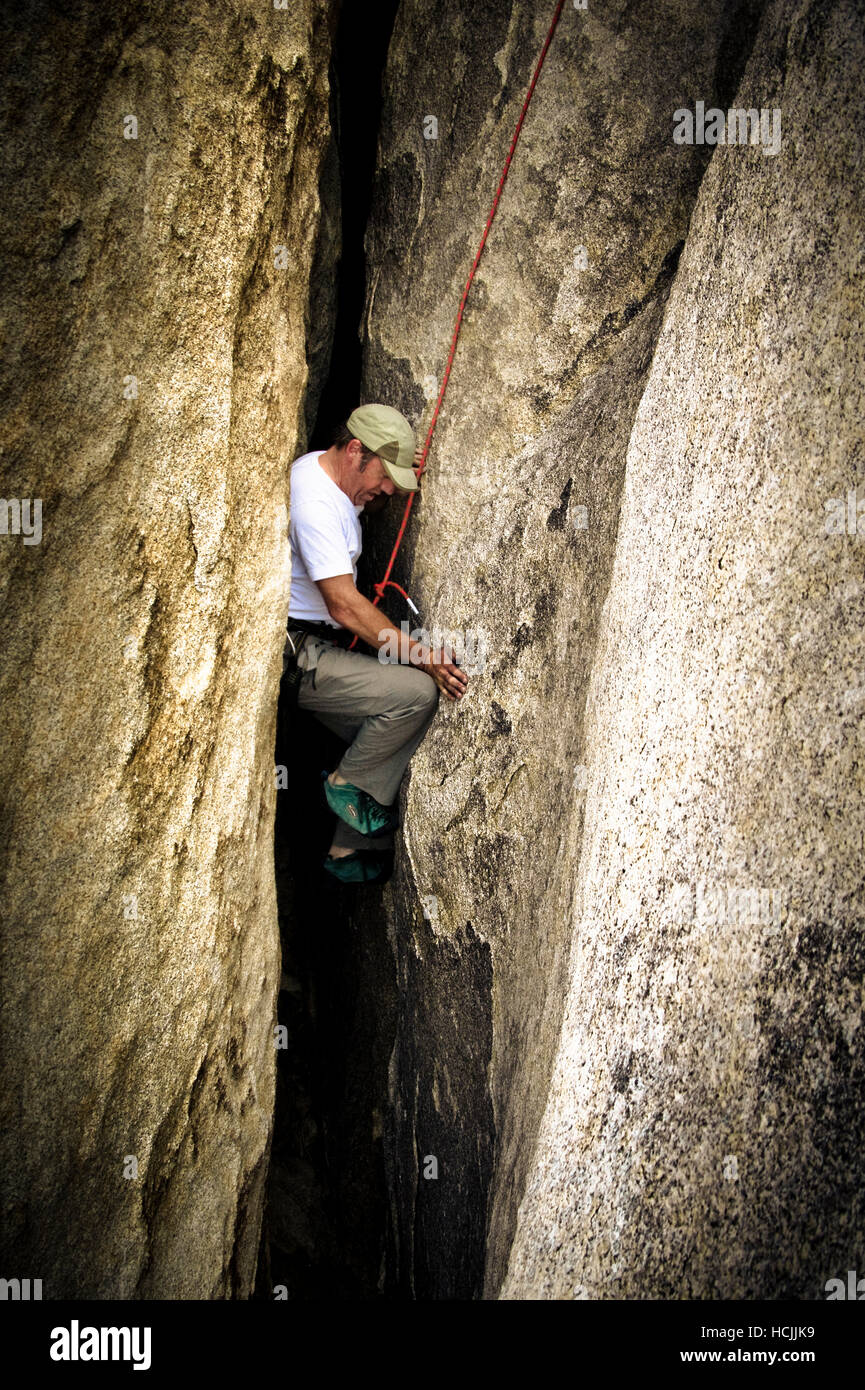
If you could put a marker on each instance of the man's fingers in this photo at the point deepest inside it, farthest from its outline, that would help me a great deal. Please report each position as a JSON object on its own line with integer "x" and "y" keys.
{"x": 450, "y": 678}
{"x": 450, "y": 689}
{"x": 454, "y": 679}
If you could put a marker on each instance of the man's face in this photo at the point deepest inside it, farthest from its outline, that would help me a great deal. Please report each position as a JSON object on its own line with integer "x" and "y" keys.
{"x": 367, "y": 481}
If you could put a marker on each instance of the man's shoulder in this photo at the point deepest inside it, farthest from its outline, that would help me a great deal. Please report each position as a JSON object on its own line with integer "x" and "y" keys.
{"x": 312, "y": 490}
{"x": 308, "y": 482}
{"x": 306, "y": 467}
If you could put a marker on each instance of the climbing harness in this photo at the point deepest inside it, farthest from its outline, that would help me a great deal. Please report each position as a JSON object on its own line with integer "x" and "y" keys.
{"x": 387, "y": 581}
{"x": 292, "y": 675}
{"x": 297, "y": 632}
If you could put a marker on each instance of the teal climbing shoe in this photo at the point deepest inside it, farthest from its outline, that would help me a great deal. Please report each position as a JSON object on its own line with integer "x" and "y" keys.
{"x": 362, "y": 866}
{"x": 358, "y": 809}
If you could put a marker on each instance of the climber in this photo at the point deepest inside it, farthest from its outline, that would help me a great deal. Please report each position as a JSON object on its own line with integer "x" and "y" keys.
{"x": 382, "y": 709}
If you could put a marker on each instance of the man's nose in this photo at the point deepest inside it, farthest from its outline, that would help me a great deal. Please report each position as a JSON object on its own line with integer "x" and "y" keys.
{"x": 388, "y": 487}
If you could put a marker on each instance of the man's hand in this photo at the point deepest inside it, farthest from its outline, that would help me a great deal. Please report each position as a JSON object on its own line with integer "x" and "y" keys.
{"x": 348, "y": 607}
{"x": 451, "y": 680}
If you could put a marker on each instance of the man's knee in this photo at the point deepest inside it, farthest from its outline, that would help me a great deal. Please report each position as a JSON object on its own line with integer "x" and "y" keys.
{"x": 425, "y": 692}
{"x": 413, "y": 690}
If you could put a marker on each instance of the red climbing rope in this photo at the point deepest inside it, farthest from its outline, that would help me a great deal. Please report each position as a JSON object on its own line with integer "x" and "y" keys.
{"x": 383, "y": 584}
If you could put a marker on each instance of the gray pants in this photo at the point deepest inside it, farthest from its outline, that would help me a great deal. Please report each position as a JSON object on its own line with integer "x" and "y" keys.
{"x": 382, "y": 709}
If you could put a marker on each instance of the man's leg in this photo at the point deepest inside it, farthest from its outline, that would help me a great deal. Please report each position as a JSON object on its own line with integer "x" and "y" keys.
{"x": 390, "y": 707}
{"x": 345, "y": 838}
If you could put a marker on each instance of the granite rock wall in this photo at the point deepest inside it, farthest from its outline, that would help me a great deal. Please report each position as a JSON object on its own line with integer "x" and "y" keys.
{"x": 161, "y": 209}
{"x": 655, "y": 392}
{"x": 704, "y": 1120}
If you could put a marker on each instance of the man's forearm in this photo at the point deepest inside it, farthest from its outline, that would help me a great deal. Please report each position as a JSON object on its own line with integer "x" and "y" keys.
{"x": 369, "y": 623}
{"x": 349, "y": 608}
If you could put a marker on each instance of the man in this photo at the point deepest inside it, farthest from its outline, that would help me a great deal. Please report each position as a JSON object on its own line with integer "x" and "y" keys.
{"x": 381, "y": 709}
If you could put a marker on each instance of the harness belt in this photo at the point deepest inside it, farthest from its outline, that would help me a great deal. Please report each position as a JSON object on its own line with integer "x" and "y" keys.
{"x": 340, "y": 636}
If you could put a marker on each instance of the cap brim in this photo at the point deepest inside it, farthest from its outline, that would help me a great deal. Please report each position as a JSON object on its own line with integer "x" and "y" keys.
{"x": 403, "y": 478}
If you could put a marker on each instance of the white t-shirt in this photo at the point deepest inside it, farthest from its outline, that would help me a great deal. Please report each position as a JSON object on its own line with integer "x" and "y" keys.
{"x": 325, "y": 537}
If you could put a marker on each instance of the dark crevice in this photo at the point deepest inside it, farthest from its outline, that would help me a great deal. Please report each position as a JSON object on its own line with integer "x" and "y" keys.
{"x": 324, "y": 1229}
{"x": 360, "y": 51}
{"x": 352, "y": 1211}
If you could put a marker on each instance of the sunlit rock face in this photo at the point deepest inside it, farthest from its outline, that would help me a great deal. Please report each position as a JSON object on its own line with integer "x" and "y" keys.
{"x": 624, "y": 912}
{"x": 703, "y": 1130}
{"x": 161, "y": 210}
{"x": 626, "y": 917}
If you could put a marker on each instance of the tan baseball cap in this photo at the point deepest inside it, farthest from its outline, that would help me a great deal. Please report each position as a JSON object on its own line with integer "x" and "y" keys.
{"x": 391, "y": 438}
